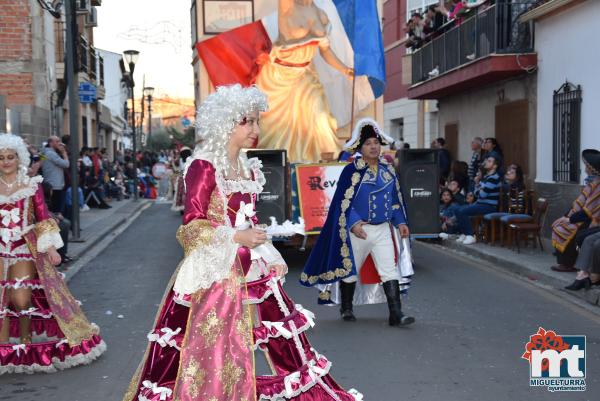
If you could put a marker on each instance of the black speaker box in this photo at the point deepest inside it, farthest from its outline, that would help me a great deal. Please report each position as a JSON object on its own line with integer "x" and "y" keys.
{"x": 273, "y": 201}
{"x": 419, "y": 179}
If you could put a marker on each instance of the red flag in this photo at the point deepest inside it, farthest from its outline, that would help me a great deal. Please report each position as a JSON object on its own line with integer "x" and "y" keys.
{"x": 233, "y": 56}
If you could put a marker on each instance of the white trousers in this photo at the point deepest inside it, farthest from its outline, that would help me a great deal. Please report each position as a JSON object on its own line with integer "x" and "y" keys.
{"x": 380, "y": 245}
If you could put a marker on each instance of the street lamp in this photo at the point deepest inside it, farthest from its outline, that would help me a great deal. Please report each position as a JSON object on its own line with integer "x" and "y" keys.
{"x": 148, "y": 92}
{"x": 131, "y": 57}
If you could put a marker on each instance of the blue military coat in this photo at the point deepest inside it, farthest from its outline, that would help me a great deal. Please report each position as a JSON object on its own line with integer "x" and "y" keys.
{"x": 361, "y": 194}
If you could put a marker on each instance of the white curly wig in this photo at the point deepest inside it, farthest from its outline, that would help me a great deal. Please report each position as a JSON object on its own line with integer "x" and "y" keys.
{"x": 16, "y": 143}
{"x": 219, "y": 114}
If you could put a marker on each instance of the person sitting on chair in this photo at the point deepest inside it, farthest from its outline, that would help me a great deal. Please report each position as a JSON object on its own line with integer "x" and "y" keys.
{"x": 584, "y": 213}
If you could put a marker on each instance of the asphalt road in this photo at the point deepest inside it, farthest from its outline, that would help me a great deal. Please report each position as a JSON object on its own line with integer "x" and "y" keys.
{"x": 472, "y": 324}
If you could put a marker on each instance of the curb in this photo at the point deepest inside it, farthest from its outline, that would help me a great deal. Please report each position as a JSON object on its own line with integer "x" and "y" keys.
{"x": 101, "y": 240}
{"x": 591, "y": 296}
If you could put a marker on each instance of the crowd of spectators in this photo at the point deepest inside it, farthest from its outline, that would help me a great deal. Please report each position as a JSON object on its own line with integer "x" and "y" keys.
{"x": 482, "y": 187}
{"x": 101, "y": 180}
{"x": 496, "y": 195}
{"x": 438, "y": 18}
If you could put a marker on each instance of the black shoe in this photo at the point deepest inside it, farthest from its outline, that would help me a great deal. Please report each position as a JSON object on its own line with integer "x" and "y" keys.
{"x": 579, "y": 284}
{"x": 347, "y": 293}
{"x": 392, "y": 293}
{"x": 104, "y": 206}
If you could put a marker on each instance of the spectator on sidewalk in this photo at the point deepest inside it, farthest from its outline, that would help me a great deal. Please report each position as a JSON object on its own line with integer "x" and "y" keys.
{"x": 492, "y": 148}
{"x": 448, "y": 207}
{"x": 588, "y": 264}
{"x": 584, "y": 213}
{"x": 86, "y": 160}
{"x": 487, "y": 196}
{"x": 513, "y": 200}
{"x": 93, "y": 191}
{"x": 476, "y": 159}
{"x": 36, "y": 159}
{"x": 63, "y": 224}
{"x": 444, "y": 158}
{"x": 459, "y": 172}
{"x": 456, "y": 190}
{"x": 56, "y": 161}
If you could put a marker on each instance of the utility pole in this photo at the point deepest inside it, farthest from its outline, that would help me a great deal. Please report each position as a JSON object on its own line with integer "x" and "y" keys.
{"x": 73, "y": 85}
{"x": 148, "y": 92}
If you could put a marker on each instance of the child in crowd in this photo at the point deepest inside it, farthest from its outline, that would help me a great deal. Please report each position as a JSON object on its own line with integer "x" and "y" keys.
{"x": 456, "y": 189}
{"x": 447, "y": 210}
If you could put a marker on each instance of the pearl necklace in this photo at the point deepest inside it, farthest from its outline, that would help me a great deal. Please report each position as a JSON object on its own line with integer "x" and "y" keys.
{"x": 236, "y": 169}
{"x": 8, "y": 185}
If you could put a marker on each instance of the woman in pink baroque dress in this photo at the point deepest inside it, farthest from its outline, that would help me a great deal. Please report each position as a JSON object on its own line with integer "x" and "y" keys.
{"x": 42, "y": 327}
{"x": 226, "y": 299}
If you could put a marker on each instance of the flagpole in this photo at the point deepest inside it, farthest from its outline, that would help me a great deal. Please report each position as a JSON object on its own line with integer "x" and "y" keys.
{"x": 352, "y": 111}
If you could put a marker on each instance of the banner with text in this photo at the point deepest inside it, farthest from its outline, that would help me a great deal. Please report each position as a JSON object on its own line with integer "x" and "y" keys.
{"x": 316, "y": 187}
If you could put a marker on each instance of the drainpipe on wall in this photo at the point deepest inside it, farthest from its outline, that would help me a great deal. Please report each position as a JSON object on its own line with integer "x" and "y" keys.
{"x": 420, "y": 124}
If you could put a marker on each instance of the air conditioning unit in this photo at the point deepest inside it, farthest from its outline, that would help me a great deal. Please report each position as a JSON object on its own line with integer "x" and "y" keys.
{"x": 83, "y": 6}
{"x": 91, "y": 19}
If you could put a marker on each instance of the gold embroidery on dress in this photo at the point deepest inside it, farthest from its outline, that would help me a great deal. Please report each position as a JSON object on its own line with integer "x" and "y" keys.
{"x": 232, "y": 285}
{"x": 229, "y": 375}
{"x": 46, "y": 227}
{"x": 244, "y": 326}
{"x": 216, "y": 211}
{"x": 193, "y": 377}
{"x": 201, "y": 231}
{"x": 210, "y": 328}
{"x": 195, "y": 234}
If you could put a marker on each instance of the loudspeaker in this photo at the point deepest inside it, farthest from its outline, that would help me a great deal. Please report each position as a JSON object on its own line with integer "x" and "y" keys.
{"x": 273, "y": 201}
{"x": 419, "y": 179}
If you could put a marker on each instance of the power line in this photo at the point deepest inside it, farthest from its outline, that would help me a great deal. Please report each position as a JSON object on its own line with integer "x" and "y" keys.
{"x": 166, "y": 100}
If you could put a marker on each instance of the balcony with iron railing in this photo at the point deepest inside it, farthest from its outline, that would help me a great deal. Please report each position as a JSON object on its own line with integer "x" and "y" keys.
{"x": 489, "y": 45}
{"x": 84, "y": 57}
{"x": 93, "y": 70}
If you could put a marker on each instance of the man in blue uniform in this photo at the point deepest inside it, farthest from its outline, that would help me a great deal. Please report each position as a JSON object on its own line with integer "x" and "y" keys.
{"x": 365, "y": 209}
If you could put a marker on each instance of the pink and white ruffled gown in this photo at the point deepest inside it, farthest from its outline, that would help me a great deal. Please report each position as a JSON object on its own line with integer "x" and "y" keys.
{"x": 222, "y": 304}
{"x": 61, "y": 335}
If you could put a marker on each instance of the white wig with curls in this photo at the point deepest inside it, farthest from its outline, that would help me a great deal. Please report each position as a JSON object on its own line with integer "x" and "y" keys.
{"x": 217, "y": 117}
{"x": 16, "y": 143}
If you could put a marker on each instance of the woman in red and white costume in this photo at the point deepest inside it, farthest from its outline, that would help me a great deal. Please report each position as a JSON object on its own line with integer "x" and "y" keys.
{"x": 42, "y": 327}
{"x": 226, "y": 298}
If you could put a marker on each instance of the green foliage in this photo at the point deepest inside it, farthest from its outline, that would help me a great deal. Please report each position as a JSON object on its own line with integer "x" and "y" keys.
{"x": 169, "y": 138}
{"x": 185, "y": 138}
{"x": 158, "y": 141}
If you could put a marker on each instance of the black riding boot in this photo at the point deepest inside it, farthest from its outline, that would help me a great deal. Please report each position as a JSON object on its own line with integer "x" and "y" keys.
{"x": 347, "y": 290}
{"x": 392, "y": 293}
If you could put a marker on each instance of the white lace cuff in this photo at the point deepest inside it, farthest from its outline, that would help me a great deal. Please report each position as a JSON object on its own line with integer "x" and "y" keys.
{"x": 276, "y": 259}
{"x": 207, "y": 264}
{"x": 46, "y": 240}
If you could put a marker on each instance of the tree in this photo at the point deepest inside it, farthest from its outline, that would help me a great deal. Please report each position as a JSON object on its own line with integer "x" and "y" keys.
{"x": 185, "y": 138}
{"x": 159, "y": 140}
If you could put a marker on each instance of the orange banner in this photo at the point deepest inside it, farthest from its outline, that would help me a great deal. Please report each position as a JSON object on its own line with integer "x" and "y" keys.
{"x": 316, "y": 186}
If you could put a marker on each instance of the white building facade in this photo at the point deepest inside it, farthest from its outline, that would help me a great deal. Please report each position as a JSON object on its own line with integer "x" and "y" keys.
{"x": 568, "y": 57}
{"x": 564, "y": 43}
{"x": 117, "y": 136}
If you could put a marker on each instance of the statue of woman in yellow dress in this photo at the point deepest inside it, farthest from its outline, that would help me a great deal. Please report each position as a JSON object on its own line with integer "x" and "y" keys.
{"x": 299, "y": 118}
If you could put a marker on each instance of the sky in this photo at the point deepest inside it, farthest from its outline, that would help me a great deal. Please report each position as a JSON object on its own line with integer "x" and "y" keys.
{"x": 161, "y": 32}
